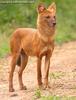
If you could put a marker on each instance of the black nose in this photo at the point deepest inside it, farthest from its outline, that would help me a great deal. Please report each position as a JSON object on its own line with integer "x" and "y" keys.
{"x": 54, "y": 23}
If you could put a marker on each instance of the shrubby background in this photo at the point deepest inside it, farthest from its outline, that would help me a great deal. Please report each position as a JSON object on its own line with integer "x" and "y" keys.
{"x": 25, "y": 15}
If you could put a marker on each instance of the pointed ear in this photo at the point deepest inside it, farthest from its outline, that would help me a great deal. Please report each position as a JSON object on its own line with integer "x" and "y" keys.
{"x": 52, "y": 8}
{"x": 41, "y": 8}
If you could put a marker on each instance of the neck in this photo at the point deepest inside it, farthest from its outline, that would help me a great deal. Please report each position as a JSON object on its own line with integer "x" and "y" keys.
{"x": 45, "y": 38}
{"x": 46, "y": 34}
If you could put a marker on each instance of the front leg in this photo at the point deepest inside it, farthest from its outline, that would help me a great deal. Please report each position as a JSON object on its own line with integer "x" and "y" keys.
{"x": 39, "y": 75}
{"x": 47, "y": 65}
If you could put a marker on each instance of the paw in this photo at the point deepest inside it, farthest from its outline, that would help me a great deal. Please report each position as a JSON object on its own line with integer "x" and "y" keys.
{"x": 23, "y": 88}
{"x": 11, "y": 90}
{"x": 46, "y": 86}
{"x": 40, "y": 86}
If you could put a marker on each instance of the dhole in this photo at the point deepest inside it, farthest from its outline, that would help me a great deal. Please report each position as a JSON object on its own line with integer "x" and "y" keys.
{"x": 38, "y": 42}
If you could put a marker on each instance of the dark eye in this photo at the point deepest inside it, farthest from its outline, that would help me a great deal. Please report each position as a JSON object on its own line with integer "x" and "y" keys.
{"x": 47, "y": 16}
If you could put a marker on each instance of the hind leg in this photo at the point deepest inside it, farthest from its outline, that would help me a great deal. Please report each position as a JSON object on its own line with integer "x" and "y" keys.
{"x": 24, "y": 59}
{"x": 12, "y": 68}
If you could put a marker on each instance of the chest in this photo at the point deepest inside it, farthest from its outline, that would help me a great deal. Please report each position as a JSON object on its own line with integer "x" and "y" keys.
{"x": 43, "y": 49}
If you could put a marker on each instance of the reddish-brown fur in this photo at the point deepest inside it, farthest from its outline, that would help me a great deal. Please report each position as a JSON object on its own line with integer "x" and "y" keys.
{"x": 38, "y": 42}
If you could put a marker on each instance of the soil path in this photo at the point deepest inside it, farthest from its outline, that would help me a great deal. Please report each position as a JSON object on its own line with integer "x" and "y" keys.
{"x": 62, "y": 75}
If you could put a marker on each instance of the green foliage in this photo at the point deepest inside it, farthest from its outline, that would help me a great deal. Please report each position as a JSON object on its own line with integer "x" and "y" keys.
{"x": 4, "y": 47}
{"x": 25, "y": 15}
{"x": 66, "y": 20}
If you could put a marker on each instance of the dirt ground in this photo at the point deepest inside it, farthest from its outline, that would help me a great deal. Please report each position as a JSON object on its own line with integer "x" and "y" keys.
{"x": 62, "y": 75}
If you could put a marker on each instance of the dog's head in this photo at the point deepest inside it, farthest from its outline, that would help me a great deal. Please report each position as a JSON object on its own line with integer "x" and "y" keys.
{"x": 47, "y": 17}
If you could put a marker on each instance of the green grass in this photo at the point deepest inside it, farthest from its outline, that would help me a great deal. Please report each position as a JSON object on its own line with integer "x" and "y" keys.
{"x": 25, "y": 15}
{"x": 50, "y": 98}
{"x": 56, "y": 75}
{"x": 38, "y": 96}
{"x": 57, "y": 98}
{"x": 38, "y": 93}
